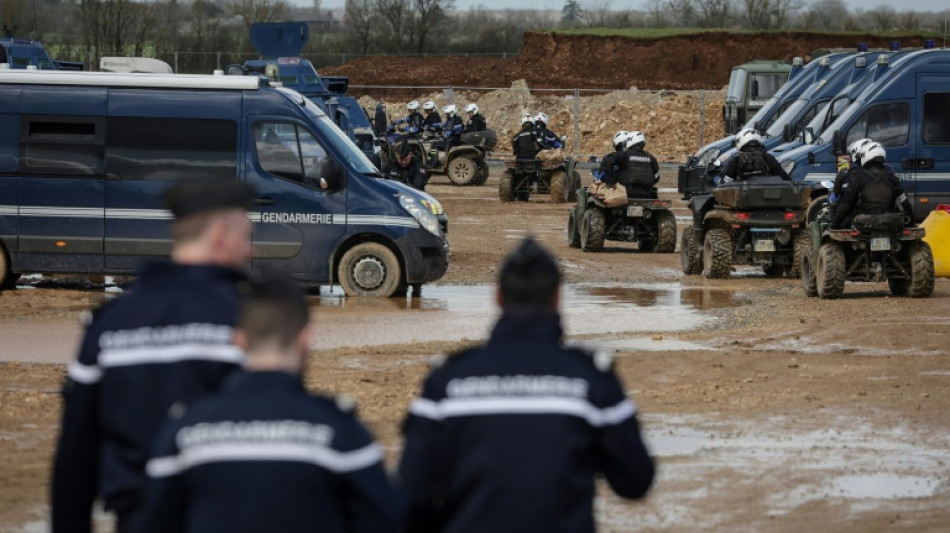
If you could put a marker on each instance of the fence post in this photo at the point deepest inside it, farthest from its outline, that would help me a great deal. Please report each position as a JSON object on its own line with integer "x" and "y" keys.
{"x": 702, "y": 115}
{"x": 176, "y": 62}
{"x": 342, "y": 59}
{"x": 219, "y": 61}
{"x": 577, "y": 120}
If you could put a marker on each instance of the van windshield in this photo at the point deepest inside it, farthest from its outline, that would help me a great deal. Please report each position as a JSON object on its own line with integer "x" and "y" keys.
{"x": 348, "y": 151}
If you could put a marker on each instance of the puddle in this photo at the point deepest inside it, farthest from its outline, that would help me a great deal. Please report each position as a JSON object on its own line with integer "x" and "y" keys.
{"x": 648, "y": 344}
{"x": 468, "y": 312}
{"x": 884, "y": 486}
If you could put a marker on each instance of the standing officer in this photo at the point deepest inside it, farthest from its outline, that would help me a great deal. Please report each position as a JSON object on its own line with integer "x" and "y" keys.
{"x": 264, "y": 455}
{"x": 165, "y": 341}
{"x": 642, "y": 171}
{"x": 508, "y": 437}
{"x": 751, "y": 159}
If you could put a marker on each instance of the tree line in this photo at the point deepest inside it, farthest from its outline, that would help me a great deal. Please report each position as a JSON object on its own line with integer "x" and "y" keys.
{"x": 86, "y": 30}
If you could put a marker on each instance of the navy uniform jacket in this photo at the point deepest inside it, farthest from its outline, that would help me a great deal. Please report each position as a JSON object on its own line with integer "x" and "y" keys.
{"x": 264, "y": 455}
{"x": 167, "y": 340}
{"x": 476, "y": 123}
{"x": 508, "y": 437}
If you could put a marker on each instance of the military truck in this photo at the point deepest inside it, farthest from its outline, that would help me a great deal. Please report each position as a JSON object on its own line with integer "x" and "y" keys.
{"x": 751, "y": 85}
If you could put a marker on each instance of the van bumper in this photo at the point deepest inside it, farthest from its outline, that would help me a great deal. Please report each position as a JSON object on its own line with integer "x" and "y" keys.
{"x": 426, "y": 256}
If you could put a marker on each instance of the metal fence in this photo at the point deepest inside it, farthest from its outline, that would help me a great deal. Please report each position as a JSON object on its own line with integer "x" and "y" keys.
{"x": 675, "y": 123}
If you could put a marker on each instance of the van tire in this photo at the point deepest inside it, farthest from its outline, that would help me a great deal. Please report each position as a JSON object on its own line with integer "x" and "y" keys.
{"x": 462, "y": 170}
{"x": 369, "y": 270}
{"x": 7, "y": 277}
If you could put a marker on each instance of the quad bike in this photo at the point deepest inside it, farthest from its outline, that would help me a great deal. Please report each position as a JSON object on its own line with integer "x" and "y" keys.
{"x": 646, "y": 221}
{"x": 876, "y": 248}
{"x": 464, "y": 164}
{"x": 524, "y": 177}
{"x": 760, "y": 221}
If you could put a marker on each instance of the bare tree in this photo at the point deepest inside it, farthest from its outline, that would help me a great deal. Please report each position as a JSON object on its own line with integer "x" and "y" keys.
{"x": 251, "y": 11}
{"x": 682, "y": 11}
{"x": 398, "y": 17}
{"x": 770, "y": 14}
{"x": 428, "y": 16}
{"x": 828, "y": 15}
{"x": 597, "y": 14}
{"x": 359, "y": 23}
{"x": 883, "y": 18}
{"x": 713, "y": 13}
{"x": 656, "y": 9}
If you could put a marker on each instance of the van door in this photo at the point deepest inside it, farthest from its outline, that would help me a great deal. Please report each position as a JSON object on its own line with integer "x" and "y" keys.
{"x": 145, "y": 154}
{"x": 61, "y": 187}
{"x": 299, "y": 216}
{"x": 932, "y": 159}
{"x": 890, "y": 124}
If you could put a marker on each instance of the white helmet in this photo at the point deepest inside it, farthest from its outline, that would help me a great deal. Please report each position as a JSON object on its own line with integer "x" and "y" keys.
{"x": 541, "y": 117}
{"x": 856, "y": 148}
{"x": 746, "y": 136}
{"x": 429, "y": 106}
{"x": 472, "y": 108}
{"x": 527, "y": 117}
{"x": 450, "y": 110}
{"x": 620, "y": 139}
{"x": 413, "y": 105}
{"x": 873, "y": 150}
{"x": 635, "y": 138}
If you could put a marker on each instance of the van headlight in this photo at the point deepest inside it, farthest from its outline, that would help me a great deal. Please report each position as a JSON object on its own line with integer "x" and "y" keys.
{"x": 424, "y": 211}
{"x": 788, "y": 166}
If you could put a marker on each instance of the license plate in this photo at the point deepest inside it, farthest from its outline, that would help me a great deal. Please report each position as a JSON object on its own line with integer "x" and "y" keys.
{"x": 764, "y": 245}
{"x": 880, "y": 243}
{"x": 634, "y": 211}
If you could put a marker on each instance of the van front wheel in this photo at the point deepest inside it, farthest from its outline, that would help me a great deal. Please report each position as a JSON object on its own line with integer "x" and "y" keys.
{"x": 369, "y": 270}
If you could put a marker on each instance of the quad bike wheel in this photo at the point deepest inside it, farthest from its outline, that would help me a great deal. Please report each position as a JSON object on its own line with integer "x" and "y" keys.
{"x": 801, "y": 246}
{"x": 809, "y": 280}
{"x": 559, "y": 187}
{"x": 573, "y": 229}
{"x": 483, "y": 172}
{"x": 666, "y": 232}
{"x": 369, "y": 269}
{"x": 921, "y": 282}
{"x": 717, "y": 254}
{"x": 818, "y": 209}
{"x": 689, "y": 255}
{"x": 593, "y": 230}
{"x": 575, "y": 184}
{"x": 831, "y": 271}
{"x": 462, "y": 170}
{"x": 505, "y": 185}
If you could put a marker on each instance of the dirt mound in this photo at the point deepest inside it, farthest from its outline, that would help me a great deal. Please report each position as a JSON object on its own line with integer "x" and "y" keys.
{"x": 693, "y": 61}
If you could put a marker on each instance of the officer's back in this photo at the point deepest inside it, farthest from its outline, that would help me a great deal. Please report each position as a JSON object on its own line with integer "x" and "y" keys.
{"x": 525, "y": 144}
{"x": 264, "y": 455}
{"x": 509, "y": 436}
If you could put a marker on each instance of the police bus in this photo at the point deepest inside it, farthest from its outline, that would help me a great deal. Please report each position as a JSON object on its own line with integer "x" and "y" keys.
{"x": 86, "y": 156}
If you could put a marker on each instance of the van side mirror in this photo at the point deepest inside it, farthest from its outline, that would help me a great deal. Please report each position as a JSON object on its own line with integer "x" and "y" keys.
{"x": 788, "y": 133}
{"x": 808, "y": 135}
{"x": 838, "y": 143}
{"x": 329, "y": 173}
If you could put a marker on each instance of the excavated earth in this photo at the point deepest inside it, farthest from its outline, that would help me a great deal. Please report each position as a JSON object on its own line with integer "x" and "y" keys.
{"x": 766, "y": 410}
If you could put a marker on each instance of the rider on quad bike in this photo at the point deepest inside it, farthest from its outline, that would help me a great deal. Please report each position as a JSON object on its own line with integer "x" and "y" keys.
{"x": 527, "y": 174}
{"x": 869, "y": 238}
{"x": 642, "y": 218}
{"x": 755, "y": 216}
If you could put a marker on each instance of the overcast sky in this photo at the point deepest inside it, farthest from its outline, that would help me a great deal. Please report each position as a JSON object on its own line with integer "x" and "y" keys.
{"x": 916, "y": 5}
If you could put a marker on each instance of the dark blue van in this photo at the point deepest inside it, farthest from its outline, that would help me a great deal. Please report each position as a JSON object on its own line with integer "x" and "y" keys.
{"x": 86, "y": 156}
{"x": 908, "y": 111}
{"x": 24, "y": 53}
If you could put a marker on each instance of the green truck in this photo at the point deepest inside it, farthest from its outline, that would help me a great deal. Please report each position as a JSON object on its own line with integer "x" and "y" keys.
{"x": 750, "y": 87}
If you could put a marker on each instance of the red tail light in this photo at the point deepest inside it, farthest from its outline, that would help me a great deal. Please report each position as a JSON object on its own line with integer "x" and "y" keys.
{"x": 854, "y": 233}
{"x": 908, "y": 231}
{"x": 790, "y": 215}
{"x": 742, "y": 216}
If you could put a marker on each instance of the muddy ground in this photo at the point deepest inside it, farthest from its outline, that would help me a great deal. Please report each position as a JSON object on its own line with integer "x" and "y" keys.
{"x": 766, "y": 410}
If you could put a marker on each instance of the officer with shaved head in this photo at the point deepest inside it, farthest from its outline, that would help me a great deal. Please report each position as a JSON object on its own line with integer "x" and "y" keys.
{"x": 509, "y": 436}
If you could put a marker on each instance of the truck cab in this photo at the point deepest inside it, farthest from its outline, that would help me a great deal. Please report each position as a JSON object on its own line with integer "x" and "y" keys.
{"x": 751, "y": 85}
{"x": 280, "y": 45}
{"x": 24, "y": 53}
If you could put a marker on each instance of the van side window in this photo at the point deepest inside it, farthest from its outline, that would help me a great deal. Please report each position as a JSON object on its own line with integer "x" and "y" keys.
{"x": 290, "y": 152}
{"x": 61, "y": 145}
{"x": 888, "y": 124}
{"x": 170, "y": 148}
{"x": 937, "y": 118}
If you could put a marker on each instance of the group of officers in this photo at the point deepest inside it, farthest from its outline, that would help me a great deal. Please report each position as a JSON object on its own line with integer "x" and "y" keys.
{"x": 451, "y": 127}
{"x": 534, "y": 137}
{"x": 185, "y": 410}
{"x": 866, "y": 187}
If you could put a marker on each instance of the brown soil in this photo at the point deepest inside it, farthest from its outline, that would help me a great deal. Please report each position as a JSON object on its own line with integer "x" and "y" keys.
{"x": 779, "y": 360}
{"x": 554, "y": 60}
